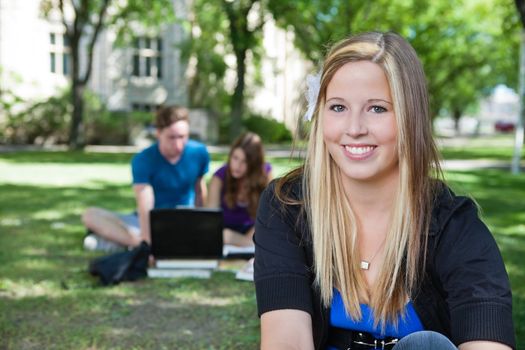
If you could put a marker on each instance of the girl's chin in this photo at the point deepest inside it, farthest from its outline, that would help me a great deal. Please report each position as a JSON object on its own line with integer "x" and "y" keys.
{"x": 236, "y": 176}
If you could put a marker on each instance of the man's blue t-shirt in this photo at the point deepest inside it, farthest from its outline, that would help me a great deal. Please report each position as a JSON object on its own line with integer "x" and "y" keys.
{"x": 173, "y": 184}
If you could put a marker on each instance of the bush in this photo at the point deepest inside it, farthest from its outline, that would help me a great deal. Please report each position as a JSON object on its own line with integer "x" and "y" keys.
{"x": 104, "y": 127}
{"x": 114, "y": 127}
{"x": 42, "y": 122}
{"x": 48, "y": 122}
{"x": 270, "y": 130}
{"x": 107, "y": 127}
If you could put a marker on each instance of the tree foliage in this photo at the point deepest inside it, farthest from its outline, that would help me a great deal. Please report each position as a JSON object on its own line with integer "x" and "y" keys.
{"x": 466, "y": 52}
{"x": 83, "y": 21}
{"x": 226, "y": 36}
{"x": 317, "y": 24}
{"x": 244, "y": 38}
{"x": 466, "y": 48}
{"x": 205, "y": 50}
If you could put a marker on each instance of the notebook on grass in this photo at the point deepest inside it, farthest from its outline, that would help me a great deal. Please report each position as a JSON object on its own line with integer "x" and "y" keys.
{"x": 234, "y": 252}
{"x": 186, "y": 238}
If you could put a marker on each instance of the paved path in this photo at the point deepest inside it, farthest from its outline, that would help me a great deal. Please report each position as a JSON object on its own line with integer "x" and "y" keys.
{"x": 466, "y": 164}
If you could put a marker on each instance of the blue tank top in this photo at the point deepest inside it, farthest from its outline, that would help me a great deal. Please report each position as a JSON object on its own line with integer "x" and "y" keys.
{"x": 405, "y": 325}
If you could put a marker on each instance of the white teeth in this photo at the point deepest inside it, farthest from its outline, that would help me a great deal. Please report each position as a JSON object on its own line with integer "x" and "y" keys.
{"x": 359, "y": 150}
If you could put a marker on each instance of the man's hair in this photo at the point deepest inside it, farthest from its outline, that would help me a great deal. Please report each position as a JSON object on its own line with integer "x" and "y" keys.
{"x": 168, "y": 115}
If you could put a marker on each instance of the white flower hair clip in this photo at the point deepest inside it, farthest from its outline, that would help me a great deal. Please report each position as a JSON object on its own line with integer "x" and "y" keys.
{"x": 313, "y": 84}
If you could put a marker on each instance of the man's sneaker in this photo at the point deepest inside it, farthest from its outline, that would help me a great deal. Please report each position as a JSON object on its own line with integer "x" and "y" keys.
{"x": 246, "y": 272}
{"x": 93, "y": 242}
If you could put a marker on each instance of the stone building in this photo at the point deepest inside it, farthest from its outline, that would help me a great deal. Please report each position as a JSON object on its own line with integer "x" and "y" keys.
{"x": 35, "y": 63}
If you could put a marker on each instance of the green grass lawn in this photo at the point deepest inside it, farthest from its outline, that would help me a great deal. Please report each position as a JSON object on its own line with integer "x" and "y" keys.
{"x": 47, "y": 299}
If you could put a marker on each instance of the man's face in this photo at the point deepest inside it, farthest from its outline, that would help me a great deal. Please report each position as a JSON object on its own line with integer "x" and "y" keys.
{"x": 173, "y": 138}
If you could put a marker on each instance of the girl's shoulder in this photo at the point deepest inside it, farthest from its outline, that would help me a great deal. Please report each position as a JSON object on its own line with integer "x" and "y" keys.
{"x": 288, "y": 189}
{"x": 449, "y": 207}
{"x": 267, "y": 167}
{"x": 221, "y": 172}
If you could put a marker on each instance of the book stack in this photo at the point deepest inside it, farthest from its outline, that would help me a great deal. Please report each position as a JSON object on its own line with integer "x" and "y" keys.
{"x": 234, "y": 252}
{"x": 183, "y": 268}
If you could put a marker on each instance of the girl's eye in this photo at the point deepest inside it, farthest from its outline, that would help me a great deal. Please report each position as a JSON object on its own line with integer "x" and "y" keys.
{"x": 337, "y": 108}
{"x": 378, "y": 109}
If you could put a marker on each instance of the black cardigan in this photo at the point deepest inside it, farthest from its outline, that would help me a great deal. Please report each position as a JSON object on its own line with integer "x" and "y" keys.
{"x": 465, "y": 293}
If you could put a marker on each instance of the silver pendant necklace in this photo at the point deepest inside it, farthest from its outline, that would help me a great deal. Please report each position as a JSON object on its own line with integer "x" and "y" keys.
{"x": 365, "y": 264}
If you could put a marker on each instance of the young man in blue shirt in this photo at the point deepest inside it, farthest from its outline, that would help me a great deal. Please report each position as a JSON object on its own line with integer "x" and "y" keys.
{"x": 167, "y": 174}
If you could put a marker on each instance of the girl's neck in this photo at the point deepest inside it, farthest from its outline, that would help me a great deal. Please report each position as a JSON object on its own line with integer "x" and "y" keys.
{"x": 371, "y": 198}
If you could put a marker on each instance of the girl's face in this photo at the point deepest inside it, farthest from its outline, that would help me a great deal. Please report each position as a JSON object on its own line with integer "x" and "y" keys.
{"x": 238, "y": 165}
{"x": 359, "y": 124}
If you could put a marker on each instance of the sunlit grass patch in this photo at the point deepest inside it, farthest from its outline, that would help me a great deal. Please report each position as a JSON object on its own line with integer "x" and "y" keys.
{"x": 23, "y": 288}
{"x": 59, "y": 174}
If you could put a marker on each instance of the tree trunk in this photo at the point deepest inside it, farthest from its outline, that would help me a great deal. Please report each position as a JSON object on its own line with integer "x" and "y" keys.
{"x": 518, "y": 144}
{"x": 237, "y": 102}
{"x": 76, "y": 134}
{"x": 456, "y": 115}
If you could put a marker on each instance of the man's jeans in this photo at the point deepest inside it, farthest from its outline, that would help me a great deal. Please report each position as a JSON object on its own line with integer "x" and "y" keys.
{"x": 426, "y": 340}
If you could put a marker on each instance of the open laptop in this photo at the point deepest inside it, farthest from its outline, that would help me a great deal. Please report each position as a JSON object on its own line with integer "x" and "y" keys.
{"x": 186, "y": 233}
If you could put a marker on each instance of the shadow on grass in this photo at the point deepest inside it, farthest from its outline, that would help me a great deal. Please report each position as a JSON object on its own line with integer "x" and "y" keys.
{"x": 498, "y": 194}
{"x": 41, "y": 228}
{"x": 48, "y": 300}
{"x": 218, "y": 313}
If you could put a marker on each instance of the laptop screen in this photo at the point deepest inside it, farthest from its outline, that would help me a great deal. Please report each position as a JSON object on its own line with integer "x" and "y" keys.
{"x": 188, "y": 233}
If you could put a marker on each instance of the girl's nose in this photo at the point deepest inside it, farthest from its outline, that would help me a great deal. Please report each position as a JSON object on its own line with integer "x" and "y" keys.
{"x": 356, "y": 125}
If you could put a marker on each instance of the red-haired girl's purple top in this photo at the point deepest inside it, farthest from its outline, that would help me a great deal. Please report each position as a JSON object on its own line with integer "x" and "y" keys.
{"x": 237, "y": 218}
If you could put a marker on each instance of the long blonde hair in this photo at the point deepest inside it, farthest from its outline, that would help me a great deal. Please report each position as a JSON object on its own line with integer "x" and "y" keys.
{"x": 331, "y": 219}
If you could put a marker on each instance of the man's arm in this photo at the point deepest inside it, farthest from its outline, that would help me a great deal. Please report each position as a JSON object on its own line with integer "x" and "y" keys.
{"x": 145, "y": 201}
{"x": 214, "y": 193}
{"x": 200, "y": 192}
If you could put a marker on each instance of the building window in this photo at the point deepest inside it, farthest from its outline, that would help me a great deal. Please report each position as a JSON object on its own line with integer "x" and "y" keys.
{"x": 144, "y": 107}
{"x": 136, "y": 65}
{"x": 60, "y": 54}
{"x": 52, "y": 59}
{"x": 147, "y": 57}
{"x": 159, "y": 67}
{"x": 65, "y": 64}
{"x": 159, "y": 58}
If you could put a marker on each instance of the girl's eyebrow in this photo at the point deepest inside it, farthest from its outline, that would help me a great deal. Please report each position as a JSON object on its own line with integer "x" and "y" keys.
{"x": 336, "y": 99}
{"x": 372, "y": 100}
